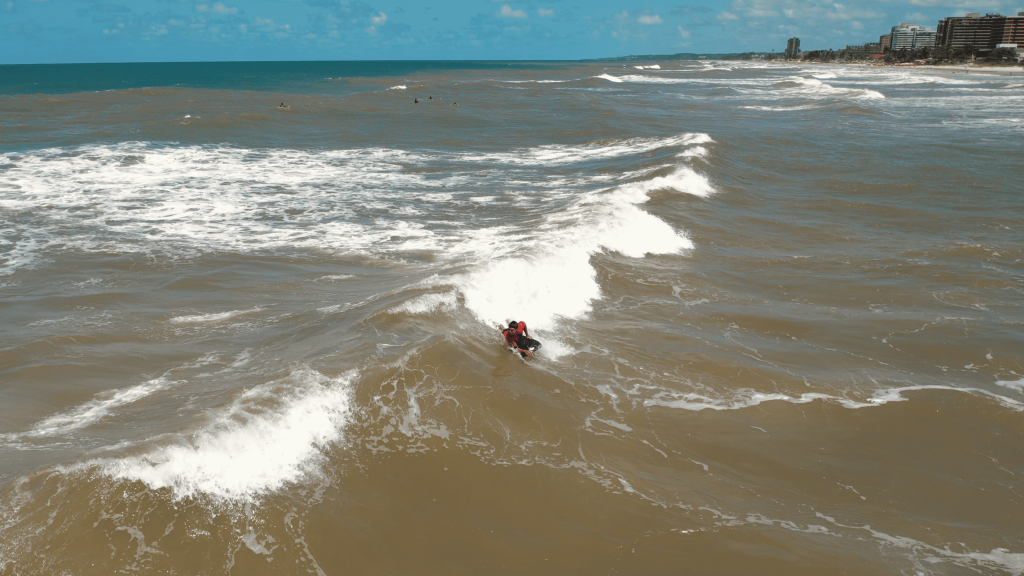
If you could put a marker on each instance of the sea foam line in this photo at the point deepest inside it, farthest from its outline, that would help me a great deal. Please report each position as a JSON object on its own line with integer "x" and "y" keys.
{"x": 212, "y": 317}
{"x": 998, "y": 558}
{"x": 271, "y": 436}
{"x": 92, "y": 411}
{"x": 698, "y": 402}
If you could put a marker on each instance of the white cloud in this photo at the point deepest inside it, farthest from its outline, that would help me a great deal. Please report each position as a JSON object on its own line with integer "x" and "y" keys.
{"x": 508, "y": 12}
{"x": 217, "y": 8}
{"x": 683, "y": 33}
{"x": 545, "y": 12}
{"x": 378, "y": 20}
{"x": 809, "y": 9}
{"x": 969, "y": 4}
{"x": 649, "y": 20}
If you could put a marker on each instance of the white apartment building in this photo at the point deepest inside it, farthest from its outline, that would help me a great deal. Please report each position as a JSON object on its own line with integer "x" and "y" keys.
{"x": 909, "y": 35}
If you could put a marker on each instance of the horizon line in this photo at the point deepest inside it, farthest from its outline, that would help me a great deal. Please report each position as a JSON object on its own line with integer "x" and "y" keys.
{"x": 510, "y": 60}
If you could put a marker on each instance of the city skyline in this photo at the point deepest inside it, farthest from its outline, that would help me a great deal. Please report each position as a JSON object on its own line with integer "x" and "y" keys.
{"x": 56, "y": 31}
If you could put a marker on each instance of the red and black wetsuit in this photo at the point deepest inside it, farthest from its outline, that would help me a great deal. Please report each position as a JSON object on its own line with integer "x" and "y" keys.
{"x": 516, "y": 338}
{"x": 511, "y": 337}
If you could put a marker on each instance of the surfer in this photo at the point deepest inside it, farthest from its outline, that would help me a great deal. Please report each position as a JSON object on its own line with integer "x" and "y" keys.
{"x": 518, "y": 337}
{"x": 415, "y": 100}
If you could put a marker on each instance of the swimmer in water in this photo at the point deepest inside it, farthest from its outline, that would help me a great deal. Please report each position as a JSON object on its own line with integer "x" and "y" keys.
{"x": 415, "y": 100}
{"x": 282, "y": 105}
{"x": 517, "y": 337}
{"x": 455, "y": 103}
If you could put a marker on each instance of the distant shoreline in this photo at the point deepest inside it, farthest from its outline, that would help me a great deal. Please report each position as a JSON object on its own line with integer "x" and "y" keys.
{"x": 980, "y": 69}
{"x": 968, "y": 69}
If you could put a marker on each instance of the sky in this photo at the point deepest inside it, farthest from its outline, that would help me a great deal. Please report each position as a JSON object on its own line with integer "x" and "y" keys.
{"x": 70, "y": 31}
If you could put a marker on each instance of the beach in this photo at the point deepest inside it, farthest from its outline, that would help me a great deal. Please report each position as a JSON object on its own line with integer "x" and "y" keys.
{"x": 780, "y": 307}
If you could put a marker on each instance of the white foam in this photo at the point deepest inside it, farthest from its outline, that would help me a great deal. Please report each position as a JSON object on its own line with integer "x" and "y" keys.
{"x": 184, "y": 201}
{"x": 745, "y": 399}
{"x": 429, "y": 303}
{"x": 780, "y": 108}
{"x": 556, "y": 154}
{"x": 816, "y": 87}
{"x": 638, "y": 79}
{"x": 23, "y": 253}
{"x": 556, "y": 280}
{"x": 682, "y": 179}
{"x": 271, "y": 436}
{"x": 609, "y": 77}
{"x": 400, "y": 87}
{"x": 212, "y": 317}
{"x": 998, "y": 558}
{"x": 694, "y": 152}
{"x": 1017, "y": 385}
{"x": 94, "y": 410}
{"x": 651, "y": 67}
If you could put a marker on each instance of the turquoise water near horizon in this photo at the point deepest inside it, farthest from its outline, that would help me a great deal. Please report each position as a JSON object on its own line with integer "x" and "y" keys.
{"x": 299, "y": 77}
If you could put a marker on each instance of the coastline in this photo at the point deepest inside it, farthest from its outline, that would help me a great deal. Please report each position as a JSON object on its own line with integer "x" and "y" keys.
{"x": 1007, "y": 70}
{"x": 967, "y": 69}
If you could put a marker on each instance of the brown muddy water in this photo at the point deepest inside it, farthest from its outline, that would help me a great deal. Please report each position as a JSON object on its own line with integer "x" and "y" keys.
{"x": 780, "y": 307}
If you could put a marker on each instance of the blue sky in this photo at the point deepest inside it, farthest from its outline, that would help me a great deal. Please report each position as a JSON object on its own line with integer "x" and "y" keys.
{"x": 54, "y": 31}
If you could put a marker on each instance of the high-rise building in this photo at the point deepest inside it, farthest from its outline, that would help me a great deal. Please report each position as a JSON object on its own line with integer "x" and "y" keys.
{"x": 883, "y": 43}
{"x": 793, "y": 48}
{"x": 909, "y": 35}
{"x": 924, "y": 39}
{"x": 1013, "y": 31}
{"x": 983, "y": 32}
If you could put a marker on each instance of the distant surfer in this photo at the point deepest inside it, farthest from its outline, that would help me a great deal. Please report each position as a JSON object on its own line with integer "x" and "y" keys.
{"x": 455, "y": 103}
{"x": 282, "y": 105}
{"x": 430, "y": 97}
{"x": 415, "y": 100}
{"x": 518, "y": 338}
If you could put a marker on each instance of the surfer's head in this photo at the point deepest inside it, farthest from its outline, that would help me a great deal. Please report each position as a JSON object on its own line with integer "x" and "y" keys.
{"x": 513, "y": 325}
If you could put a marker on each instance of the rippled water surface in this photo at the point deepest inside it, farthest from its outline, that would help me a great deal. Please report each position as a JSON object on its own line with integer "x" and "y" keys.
{"x": 249, "y": 319}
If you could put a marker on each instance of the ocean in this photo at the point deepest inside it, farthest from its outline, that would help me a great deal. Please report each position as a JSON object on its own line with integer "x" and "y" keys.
{"x": 250, "y": 319}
